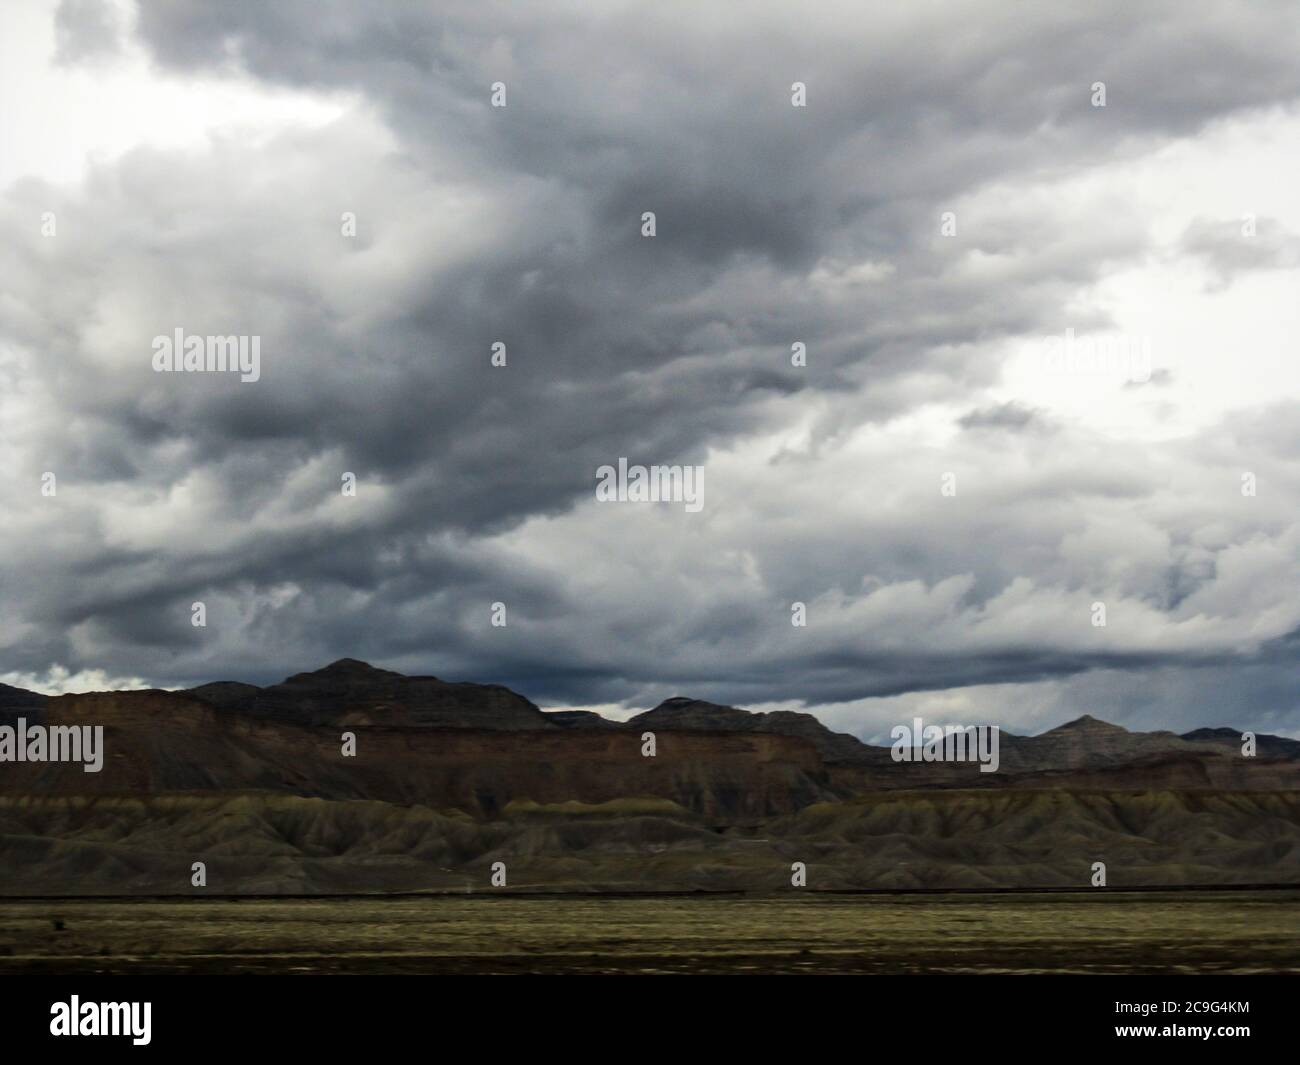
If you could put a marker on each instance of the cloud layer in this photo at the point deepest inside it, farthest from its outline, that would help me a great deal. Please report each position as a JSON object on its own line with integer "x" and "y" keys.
{"x": 948, "y": 501}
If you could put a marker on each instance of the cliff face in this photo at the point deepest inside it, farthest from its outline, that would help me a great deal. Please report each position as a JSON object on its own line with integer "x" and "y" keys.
{"x": 448, "y": 777}
{"x": 696, "y": 714}
{"x": 158, "y": 742}
{"x": 415, "y": 744}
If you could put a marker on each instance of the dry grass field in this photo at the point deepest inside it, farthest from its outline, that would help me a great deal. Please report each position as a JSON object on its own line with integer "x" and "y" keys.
{"x": 1101, "y": 932}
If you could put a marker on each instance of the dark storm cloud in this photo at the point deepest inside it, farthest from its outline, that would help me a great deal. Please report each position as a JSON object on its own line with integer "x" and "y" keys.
{"x": 522, "y": 224}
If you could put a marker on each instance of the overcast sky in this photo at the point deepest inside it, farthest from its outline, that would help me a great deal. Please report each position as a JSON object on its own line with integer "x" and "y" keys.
{"x": 948, "y": 487}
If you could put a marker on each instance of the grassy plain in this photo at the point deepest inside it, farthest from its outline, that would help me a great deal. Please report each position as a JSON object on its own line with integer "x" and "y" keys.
{"x": 796, "y": 932}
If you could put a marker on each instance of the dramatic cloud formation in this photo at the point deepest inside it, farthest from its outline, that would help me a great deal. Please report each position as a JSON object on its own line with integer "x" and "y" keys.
{"x": 1049, "y": 352}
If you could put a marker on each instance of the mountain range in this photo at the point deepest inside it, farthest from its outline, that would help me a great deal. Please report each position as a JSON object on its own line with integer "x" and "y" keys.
{"x": 442, "y": 776}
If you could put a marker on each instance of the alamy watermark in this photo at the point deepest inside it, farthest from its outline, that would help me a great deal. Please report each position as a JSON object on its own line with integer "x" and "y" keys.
{"x": 179, "y": 353}
{"x": 1124, "y": 357}
{"x": 651, "y": 484}
{"x": 75, "y": 1017}
{"x": 952, "y": 743}
{"x": 55, "y": 743}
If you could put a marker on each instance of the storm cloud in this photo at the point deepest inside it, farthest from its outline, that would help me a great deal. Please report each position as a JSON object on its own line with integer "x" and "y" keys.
{"x": 947, "y": 502}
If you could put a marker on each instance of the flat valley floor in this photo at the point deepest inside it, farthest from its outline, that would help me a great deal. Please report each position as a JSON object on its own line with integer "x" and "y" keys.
{"x": 802, "y": 932}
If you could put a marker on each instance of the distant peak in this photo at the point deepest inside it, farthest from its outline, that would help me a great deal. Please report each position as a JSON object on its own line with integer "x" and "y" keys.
{"x": 1089, "y": 723}
{"x": 352, "y": 667}
{"x": 703, "y": 706}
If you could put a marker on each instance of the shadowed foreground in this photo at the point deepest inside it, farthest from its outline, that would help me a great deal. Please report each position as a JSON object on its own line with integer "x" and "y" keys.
{"x": 1164, "y": 932}
{"x": 947, "y": 840}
